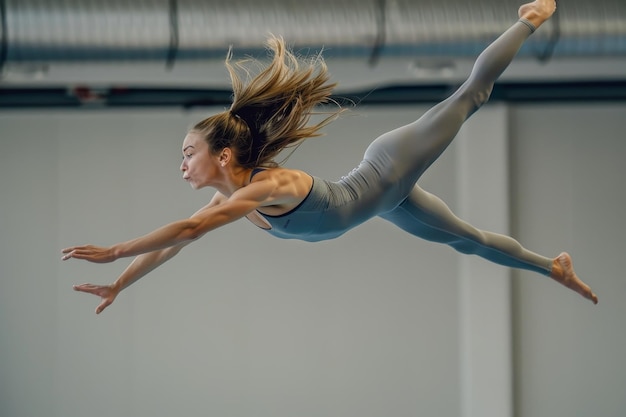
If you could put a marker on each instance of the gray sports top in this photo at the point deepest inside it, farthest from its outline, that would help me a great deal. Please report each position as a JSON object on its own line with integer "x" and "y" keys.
{"x": 332, "y": 207}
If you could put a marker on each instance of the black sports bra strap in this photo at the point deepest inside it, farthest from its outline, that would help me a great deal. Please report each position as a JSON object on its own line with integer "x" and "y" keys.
{"x": 255, "y": 171}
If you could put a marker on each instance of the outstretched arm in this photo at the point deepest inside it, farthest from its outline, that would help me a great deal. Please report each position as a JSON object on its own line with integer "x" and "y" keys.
{"x": 173, "y": 234}
{"x": 183, "y": 231}
{"x": 159, "y": 246}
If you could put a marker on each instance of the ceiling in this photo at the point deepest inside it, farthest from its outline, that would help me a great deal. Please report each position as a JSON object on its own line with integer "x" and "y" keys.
{"x": 97, "y": 53}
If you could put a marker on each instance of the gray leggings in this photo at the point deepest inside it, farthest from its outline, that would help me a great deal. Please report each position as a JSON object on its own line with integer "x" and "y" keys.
{"x": 384, "y": 183}
{"x": 402, "y": 155}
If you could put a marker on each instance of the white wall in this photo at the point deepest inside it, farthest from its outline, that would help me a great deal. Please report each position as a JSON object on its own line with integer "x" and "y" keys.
{"x": 239, "y": 323}
{"x": 244, "y": 324}
{"x": 568, "y": 177}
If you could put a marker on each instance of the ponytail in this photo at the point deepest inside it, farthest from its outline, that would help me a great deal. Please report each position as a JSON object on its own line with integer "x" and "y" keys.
{"x": 271, "y": 110}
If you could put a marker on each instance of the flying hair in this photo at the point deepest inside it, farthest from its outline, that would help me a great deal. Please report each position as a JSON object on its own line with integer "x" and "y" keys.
{"x": 271, "y": 108}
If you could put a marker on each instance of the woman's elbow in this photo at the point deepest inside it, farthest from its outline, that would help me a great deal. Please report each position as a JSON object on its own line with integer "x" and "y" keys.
{"x": 191, "y": 231}
{"x": 195, "y": 229}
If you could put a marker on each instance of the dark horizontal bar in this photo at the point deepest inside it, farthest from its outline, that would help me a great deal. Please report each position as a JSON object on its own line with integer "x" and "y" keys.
{"x": 512, "y": 92}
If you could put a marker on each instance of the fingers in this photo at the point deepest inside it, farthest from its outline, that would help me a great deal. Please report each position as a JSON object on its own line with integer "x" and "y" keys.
{"x": 88, "y": 288}
{"x": 68, "y": 256}
{"x": 99, "y": 290}
{"x": 74, "y": 248}
{"x": 78, "y": 252}
{"x": 68, "y": 252}
{"x": 104, "y": 304}
{"x": 102, "y": 291}
{"x": 74, "y": 252}
{"x": 89, "y": 253}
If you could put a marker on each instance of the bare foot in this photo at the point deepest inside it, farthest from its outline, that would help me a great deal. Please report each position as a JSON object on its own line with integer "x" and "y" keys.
{"x": 563, "y": 273}
{"x": 538, "y": 11}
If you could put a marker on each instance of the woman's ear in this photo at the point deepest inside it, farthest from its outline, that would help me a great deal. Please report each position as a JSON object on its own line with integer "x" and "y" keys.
{"x": 225, "y": 156}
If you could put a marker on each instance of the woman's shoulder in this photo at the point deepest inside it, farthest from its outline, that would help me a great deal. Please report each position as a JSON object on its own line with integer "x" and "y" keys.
{"x": 279, "y": 173}
{"x": 288, "y": 183}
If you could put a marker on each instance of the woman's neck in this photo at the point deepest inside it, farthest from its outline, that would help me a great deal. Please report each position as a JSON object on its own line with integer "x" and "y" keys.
{"x": 233, "y": 180}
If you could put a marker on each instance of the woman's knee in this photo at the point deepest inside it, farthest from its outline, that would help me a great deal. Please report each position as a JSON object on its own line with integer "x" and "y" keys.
{"x": 475, "y": 95}
{"x": 470, "y": 243}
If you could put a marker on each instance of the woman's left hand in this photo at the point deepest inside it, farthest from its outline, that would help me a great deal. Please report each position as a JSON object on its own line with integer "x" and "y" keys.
{"x": 90, "y": 253}
{"x": 106, "y": 292}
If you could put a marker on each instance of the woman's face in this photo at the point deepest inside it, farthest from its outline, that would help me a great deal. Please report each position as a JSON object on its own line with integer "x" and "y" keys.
{"x": 199, "y": 166}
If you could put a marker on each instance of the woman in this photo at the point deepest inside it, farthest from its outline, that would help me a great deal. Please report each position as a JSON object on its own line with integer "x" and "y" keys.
{"x": 234, "y": 152}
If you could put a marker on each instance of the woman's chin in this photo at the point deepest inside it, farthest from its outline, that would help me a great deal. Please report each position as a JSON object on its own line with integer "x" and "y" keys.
{"x": 196, "y": 186}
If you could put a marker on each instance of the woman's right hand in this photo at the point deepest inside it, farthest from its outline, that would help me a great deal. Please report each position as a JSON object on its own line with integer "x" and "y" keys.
{"x": 106, "y": 292}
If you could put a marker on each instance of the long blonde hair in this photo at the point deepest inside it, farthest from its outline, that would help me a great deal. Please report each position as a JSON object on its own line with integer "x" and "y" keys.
{"x": 272, "y": 109}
